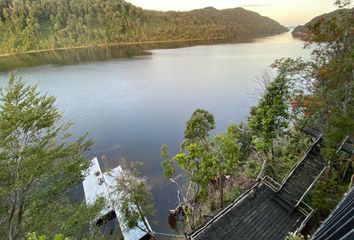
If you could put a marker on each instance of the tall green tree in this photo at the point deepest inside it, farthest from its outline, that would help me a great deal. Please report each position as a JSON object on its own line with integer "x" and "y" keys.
{"x": 204, "y": 160}
{"x": 40, "y": 164}
{"x": 135, "y": 199}
{"x": 226, "y": 147}
{"x": 269, "y": 119}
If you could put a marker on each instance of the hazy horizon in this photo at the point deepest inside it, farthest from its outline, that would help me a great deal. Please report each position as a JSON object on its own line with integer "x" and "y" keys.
{"x": 286, "y": 12}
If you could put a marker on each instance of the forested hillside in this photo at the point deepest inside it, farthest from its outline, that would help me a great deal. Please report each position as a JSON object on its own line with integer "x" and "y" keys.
{"x": 302, "y": 31}
{"x": 46, "y": 24}
{"x": 209, "y": 22}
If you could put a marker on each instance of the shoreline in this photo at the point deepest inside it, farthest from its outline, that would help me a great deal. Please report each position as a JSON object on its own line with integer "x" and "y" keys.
{"x": 108, "y": 45}
{"x": 4, "y": 55}
{"x": 98, "y": 52}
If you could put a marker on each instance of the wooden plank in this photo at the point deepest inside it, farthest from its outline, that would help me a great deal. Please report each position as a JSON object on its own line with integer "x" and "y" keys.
{"x": 312, "y": 148}
{"x": 266, "y": 221}
{"x": 347, "y": 145}
{"x": 312, "y": 131}
{"x": 257, "y": 216}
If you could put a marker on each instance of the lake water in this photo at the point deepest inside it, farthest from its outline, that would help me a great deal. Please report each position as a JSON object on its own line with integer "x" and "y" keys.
{"x": 132, "y": 106}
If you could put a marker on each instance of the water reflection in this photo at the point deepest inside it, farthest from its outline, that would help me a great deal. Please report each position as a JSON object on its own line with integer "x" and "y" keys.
{"x": 96, "y": 53}
{"x": 69, "y": 56}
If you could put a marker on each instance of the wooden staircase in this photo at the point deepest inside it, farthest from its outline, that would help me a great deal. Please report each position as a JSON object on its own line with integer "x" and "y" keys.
{"x": 269, "y": 210}
{"x": 301, "y": 177}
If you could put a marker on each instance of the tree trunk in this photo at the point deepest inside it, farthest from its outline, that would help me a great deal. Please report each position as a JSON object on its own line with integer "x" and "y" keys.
{"x": 351, "y": 182}
{"x": 147, "y": 227}
{"x": 346, "y": 168}
{"x": 271, "y": 166}
{"x": 221, "y": 185}
{"x": 272, "y": 158}
{"x": 221, "y": 189}
{"x": 193, "y": 211}
{"x": 11, "y": 219}
{"x": 20, "y": 214}
{"x": 347, "y": 96}
{"x": 263, "y": 169}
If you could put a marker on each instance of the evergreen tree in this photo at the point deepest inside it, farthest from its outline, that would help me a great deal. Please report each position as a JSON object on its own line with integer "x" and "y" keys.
{"x": 269, "y": 119}
{"x": 135, "y": 199}
{"x": 40, "y": 164}
{"x": 204, "y": 160}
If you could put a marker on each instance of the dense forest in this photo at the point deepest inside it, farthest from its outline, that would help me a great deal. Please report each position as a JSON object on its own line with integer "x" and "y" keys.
{"x": 302, "y": 31}
{"x": 209, "y": 22}
{"x": 47, "y": 24}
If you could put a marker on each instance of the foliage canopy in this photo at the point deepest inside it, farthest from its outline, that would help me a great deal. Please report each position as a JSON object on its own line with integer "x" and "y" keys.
{"x": 40, "y": 164}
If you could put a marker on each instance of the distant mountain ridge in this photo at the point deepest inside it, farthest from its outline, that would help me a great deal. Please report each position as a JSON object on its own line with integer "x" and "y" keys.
{"x": 210, "y": 22}
{"x": 302, "y": 31}
{"x": 48, "y": 24}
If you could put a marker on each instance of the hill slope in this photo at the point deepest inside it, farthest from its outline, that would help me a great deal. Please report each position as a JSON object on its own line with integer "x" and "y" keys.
{"x": 46, "y": 24}
{"x": 210, "y": 22}
{"x": 302, "y": 31}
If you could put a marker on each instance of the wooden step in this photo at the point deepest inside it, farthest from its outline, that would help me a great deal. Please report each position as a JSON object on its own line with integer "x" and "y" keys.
{"x": 316, "y": 169}
{"x": 284, "y": 202}
{"x": 296, "y": 193}
{"x": 303, "y": 176}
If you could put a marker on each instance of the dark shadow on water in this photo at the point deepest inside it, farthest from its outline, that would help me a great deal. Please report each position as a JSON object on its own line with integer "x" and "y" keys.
{"x": 97, "y": 53}
{"x": 68, "y": 56}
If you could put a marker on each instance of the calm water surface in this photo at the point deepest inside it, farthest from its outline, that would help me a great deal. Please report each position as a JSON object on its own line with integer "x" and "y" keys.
{"x": 131, "y": 106}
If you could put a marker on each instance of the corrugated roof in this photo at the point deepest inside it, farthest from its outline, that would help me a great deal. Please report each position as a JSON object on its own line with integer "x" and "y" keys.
{"x": 98, "y": 184}
{"x": 340, "y": 224}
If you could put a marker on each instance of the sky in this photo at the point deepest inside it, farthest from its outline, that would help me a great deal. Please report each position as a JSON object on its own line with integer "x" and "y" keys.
{"x": 287, "y": 12}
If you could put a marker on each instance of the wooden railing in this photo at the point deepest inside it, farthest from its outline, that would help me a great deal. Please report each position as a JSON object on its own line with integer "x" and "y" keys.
{"x": 292, "y": 170}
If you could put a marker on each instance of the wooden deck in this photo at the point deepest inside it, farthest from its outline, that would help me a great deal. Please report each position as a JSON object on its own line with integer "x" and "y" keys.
{"x": 269, "y": 210}
{"x": 255, "y": 216}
